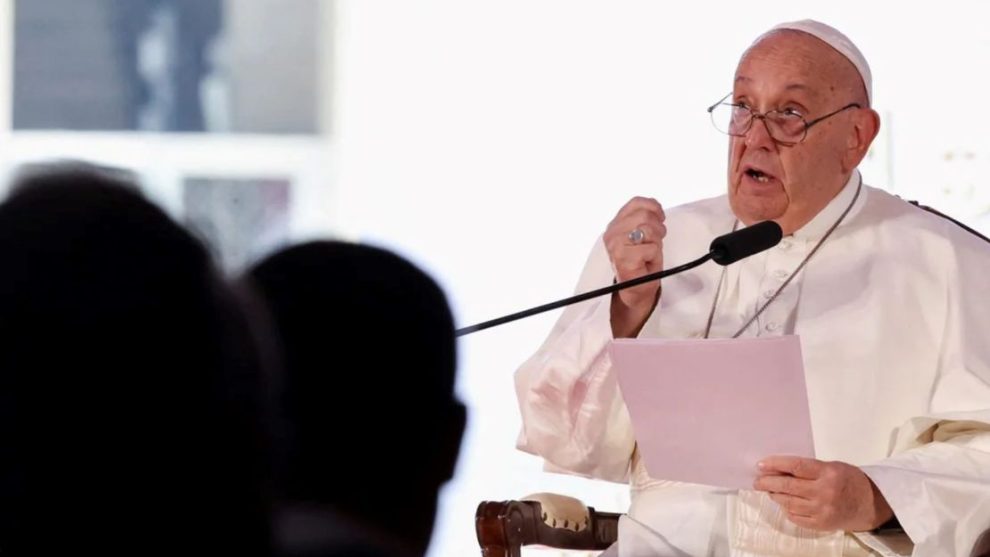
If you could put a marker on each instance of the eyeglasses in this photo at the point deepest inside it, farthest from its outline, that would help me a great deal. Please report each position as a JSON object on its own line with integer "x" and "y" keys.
{"x": 786, "y": 127}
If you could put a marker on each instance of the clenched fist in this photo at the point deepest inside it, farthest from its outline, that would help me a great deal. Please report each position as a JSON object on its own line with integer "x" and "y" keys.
{"x": 632, "y": 307}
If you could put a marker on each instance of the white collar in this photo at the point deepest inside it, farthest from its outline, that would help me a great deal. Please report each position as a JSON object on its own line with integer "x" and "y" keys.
{"x": 820, "y": 223}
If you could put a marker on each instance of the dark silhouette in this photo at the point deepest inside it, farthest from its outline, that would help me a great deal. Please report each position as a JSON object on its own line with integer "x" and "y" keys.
{"x": 373, "y": 426}
{"x": 132, "y": 391}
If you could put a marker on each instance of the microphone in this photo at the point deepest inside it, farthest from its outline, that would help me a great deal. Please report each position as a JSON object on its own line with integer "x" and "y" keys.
{"x": 724, "y": 250}
{"x": 739, "y": 244}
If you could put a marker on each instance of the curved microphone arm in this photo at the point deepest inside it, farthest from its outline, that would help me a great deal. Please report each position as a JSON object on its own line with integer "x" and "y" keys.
{"x": 582, "y": 297}
{"x": 724, "y": 250}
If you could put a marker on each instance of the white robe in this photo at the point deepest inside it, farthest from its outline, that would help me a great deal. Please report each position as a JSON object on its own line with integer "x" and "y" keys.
{"x": 893, "y": 313}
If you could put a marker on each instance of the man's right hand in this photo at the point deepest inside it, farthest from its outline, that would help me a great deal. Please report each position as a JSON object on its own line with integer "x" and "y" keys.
{"x": 632, "y": 307}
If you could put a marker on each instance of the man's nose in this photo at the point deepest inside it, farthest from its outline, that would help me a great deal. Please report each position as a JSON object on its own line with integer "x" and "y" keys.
{"x": 758, "y": 136}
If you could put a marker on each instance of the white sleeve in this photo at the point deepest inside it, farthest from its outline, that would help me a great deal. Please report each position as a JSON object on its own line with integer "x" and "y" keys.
{"x": 937, "y": 480}
{"x": 573, "y": 415}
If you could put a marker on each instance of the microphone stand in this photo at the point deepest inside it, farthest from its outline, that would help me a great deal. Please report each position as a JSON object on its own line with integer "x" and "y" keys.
{"x": 585, "y": 296}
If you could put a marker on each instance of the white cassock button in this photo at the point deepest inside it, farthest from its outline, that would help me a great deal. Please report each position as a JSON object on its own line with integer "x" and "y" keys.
{"x": 771, "y": 326}
{"x": 768, "y": 294}
{"x": 784, "y": 245}
{"x": 780, "y": 274}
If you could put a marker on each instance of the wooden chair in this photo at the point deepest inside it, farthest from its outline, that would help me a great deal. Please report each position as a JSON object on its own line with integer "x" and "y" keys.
{"x": 544, "y": 519}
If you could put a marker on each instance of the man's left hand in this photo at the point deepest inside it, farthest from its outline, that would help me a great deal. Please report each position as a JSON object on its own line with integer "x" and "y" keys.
{"x": 823, "y": 495}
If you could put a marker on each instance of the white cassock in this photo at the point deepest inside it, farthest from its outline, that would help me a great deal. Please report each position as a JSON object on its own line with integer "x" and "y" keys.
{"x": 893, "y": 313}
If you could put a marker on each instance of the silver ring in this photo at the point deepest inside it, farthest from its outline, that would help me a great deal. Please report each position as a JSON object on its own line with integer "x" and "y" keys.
{"x": 637, "y": 236}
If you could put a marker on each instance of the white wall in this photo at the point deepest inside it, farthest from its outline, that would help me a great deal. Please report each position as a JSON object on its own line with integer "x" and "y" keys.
{"x": 492, "y": 141}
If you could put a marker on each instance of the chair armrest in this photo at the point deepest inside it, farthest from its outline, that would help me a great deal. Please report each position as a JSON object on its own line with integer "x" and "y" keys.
{"x": 504, "y": 527}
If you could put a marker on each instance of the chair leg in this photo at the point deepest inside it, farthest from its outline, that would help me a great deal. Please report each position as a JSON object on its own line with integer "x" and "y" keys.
{"x": 495, "y": 535}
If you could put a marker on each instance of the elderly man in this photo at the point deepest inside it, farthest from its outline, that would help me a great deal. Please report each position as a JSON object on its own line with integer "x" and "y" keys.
{"x": 888, "y": 301}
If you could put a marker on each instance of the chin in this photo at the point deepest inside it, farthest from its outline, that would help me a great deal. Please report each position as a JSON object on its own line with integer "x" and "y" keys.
{"x": 753, "y": 209}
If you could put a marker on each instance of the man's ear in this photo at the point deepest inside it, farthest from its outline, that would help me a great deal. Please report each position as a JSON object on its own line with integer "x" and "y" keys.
{"x": 866, "y": 126}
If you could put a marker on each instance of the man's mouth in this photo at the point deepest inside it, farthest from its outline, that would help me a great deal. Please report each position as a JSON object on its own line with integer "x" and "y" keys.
{"x": 758, "y": 175}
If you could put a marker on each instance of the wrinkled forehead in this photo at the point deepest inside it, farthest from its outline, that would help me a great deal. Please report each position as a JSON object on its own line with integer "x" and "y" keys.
{"x": 793, "y": 59}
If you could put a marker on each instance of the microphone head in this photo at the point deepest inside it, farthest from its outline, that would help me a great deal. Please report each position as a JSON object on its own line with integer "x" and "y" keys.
{"x": 732, "y": 247}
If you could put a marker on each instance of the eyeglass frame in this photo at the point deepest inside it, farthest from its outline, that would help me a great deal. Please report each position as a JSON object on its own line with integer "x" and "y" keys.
{"x": 763, "y": 116}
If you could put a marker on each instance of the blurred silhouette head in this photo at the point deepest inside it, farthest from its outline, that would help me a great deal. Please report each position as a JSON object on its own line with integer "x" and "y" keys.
{"x": 131, "y": 389}
{"x": 374, "y": 427}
